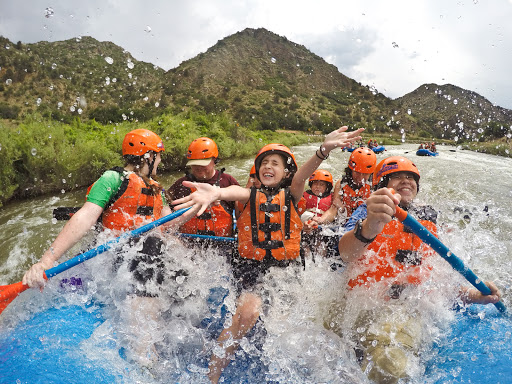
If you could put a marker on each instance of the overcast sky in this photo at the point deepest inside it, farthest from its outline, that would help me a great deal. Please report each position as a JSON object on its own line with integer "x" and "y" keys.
{"x": 393, "y": 45}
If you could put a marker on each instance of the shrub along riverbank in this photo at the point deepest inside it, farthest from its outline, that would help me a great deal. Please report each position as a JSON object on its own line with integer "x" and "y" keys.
{"x": 40, "y": 156}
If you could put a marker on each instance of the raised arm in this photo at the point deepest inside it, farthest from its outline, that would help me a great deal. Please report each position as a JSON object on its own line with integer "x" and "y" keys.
{"x": 336, "y": 139}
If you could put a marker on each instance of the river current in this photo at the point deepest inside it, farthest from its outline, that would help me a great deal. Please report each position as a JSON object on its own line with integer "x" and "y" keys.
{"x": 471, "y": 191}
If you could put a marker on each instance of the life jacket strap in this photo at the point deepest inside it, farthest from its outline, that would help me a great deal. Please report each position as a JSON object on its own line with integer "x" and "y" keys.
{"x": 145, "y": 211}
{"x": 205, "y": 233}
{"x": 269, "y": 227}
{"x": 268, "y": 207}
{"x": 408, "y": 257}
{"x": 205, "y": 216}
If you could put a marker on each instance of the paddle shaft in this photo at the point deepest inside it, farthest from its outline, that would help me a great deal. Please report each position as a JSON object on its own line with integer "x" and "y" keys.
{"x": 10, "y": 292}
{"x": 208, "y": 237}
{"x": 105, "y": 247}
{"x": 427, "y": 237}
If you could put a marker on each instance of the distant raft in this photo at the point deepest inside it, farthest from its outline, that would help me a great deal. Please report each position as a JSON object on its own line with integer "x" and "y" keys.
{"x": 426, "y": 152}
{"x": 378, "y": 149}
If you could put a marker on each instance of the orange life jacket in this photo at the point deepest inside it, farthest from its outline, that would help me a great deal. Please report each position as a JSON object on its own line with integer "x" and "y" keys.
{"x": 133, "y": 206}
{"x": 395, "y": 254}
{"x": 352, "y": 199}
{"x": 269, "y": 226}
{"x": 301, "y": 206}
{"x": 315, "y": 204}
{"x": 214, "y": 221}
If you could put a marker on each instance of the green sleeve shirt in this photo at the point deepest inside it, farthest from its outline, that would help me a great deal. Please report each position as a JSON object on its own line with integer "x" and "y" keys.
{"x": 105, "y": 189}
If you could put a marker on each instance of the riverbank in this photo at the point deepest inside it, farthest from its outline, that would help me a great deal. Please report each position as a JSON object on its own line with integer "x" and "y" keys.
{"x": 43, "y": 156}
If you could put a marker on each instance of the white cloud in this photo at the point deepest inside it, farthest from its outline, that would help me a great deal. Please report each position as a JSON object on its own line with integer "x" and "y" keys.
{"x": 395, "y": 45}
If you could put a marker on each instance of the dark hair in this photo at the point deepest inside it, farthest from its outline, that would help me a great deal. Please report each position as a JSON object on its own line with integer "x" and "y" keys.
{"x": 138, "y": 162}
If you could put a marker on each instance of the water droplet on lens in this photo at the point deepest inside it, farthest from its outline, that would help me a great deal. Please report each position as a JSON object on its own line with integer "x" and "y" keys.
{"x": 49, "y": 12}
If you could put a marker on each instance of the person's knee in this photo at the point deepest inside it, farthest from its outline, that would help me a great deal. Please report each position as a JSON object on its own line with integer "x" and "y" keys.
{"x": 388, "y": 365}
{"x": 249, "y": 310}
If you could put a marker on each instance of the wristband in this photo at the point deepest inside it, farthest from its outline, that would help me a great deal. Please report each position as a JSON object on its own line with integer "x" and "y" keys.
{"x": 358, "y": 234}
{"x": 321, "y": 158}
{"x": 322, "y": 153}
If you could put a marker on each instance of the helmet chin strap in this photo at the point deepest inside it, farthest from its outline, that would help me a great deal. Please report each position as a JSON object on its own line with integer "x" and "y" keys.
{"x": 151, "y": 165}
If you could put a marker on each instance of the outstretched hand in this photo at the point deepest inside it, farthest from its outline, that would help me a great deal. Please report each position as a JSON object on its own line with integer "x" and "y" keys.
{"x": 340, "y": 138}
{"x": 200, "y": 200}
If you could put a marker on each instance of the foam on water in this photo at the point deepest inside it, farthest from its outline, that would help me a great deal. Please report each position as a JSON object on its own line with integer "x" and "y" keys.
{"x": 82, "y": 331}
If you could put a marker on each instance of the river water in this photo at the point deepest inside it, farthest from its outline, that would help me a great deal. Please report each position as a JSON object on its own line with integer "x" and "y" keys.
{"x": 471, "y": 191}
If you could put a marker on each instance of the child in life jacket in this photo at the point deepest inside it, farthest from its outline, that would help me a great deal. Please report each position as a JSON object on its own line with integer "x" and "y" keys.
{"x": 125, "y": 199}
{"x": 269, "y": 229}
{"x": 202, "y": 158}
{"x": 353, "y": 189}
{"x": 318, "y": 200}
{"x": 253, "y": 179}
{"x": 388, "y": 263}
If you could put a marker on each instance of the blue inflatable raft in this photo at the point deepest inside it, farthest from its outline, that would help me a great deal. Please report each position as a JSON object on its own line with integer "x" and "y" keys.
{"x": 48, "y": 348}
{"x": 426, "y": 152}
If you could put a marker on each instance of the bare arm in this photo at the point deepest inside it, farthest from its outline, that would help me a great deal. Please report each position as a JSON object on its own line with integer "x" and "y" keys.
{"x": 177, "y": 222}
{"x": 328, "y": 216}
{"x": 206, "y": 194}
{"x": 336, "y": 139}
{"x": 79, "y": 224}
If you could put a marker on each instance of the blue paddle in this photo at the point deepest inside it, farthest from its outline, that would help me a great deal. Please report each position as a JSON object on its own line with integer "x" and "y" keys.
{"x": 427, "y": 237}
{"x": 208, "y": 237}
{"x": 9, "y": 292}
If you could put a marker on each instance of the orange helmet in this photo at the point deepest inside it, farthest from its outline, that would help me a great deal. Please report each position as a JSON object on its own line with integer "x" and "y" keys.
{"x": 201, "y": 150}
{"x": 253, "y": 170}
{"x": 321, "y": 175}
{"x": 391, "y": 165}
{"x": 140, "y": 141}
{"x": 362, "y": 160}
{"x": 281, "y": 149}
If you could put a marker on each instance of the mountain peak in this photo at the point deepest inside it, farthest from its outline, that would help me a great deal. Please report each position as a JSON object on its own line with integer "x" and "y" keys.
{"x": 258, "y": 78}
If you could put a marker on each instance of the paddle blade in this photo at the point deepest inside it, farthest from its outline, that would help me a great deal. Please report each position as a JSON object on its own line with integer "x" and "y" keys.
{"x": 9, "y": 292}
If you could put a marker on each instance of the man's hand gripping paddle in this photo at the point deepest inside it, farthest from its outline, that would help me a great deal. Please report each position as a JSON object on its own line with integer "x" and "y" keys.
{"x": 9, "y": 292}
{"x": 427, "y": 237}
